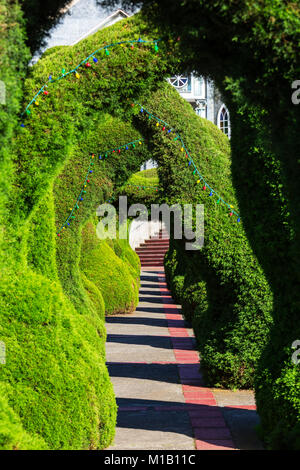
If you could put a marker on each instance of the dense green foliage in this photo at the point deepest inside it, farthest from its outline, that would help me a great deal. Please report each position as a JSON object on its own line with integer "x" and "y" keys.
{"x": 13, "y": 57}
{"x": 223, "y": 279}
{"x": 55, "y": 379}
{"x": 251, "y": 50}
{"x": 12, "y": 434}
{"x": 59, "y": 384}
{"x": 142, "y": 188}
{"x": 40, "y": 17}
{"x": 60, "y": 310}
{"x": 110, "y": 274}
{"x": 123, "y": 250}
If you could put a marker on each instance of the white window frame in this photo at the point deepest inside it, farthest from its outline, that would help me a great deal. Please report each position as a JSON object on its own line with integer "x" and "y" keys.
{"x": 219, "y": 119}
{"x": 201, "y": 105}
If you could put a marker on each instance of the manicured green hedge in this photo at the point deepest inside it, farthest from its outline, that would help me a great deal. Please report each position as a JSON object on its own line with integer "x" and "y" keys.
{"x": 13, "y": 59}
{"x": 51, "y": 313}
{"x": 124, "y": 251}
{"x": 59, "y": 385}
{"x": 142, "y": 188}
{"x": 95, "y": 295}
{"x": 12, "y": 434}
{"x": 251, "y": 51}
{"x": 224, "y": 279}
{"x": 222, "y": 286}
{"x": 269, "y": 203}
{"x": 184, "y": 278}
{"x": 109, "y": 273}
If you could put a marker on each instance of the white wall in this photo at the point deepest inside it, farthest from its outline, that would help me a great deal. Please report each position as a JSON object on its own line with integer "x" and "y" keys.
{"x": 141, "y": 231}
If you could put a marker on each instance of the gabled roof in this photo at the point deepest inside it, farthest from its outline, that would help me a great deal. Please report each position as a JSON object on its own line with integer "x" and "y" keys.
{"x": 109, "y": 20}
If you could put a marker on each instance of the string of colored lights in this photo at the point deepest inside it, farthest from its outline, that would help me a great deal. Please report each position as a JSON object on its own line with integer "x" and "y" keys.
{"x": 159, "y": 121}
{"x": 141, "y": 186}
{"x": 89, "y": 172}
{"x": 118, "y": 149}
{"x": 88, "y": 65}
{"x": 71, "y": 216}
{"x": 133, "y": 143}
{"x": 170, "y": 130}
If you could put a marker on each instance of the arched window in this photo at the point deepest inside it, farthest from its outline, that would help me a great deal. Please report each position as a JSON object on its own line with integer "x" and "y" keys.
{"x": 224, "y": 120}
{"x": 179, "y": 81}
{"x": 182, "y": 83}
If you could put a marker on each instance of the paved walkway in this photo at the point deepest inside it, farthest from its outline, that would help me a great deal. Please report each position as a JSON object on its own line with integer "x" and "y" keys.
{"x": 154, "y": 366}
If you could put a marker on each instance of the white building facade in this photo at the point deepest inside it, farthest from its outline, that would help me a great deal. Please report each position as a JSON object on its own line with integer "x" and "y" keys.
{"x": 204, "y": 98}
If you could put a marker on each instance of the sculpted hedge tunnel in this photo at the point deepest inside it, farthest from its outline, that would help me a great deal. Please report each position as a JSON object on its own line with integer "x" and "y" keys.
{"x": 56, "y": 389}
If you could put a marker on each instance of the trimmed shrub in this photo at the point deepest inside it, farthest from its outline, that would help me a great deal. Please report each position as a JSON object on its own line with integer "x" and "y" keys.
{"x": 184, "y": 280}
{"x": 222, "y": 286}
{"x": 124, "y": 251}
{"x": 224, "y": 279}
{"x": 13, "y": 64}
{"x": 78, "y": 410}
{"x": 12, "y": 434}
{"x": 95, "y": 296}
{"x": 59, "y": 385}
{"x": 142, "y": 188}
{"x": 109, "y": 273}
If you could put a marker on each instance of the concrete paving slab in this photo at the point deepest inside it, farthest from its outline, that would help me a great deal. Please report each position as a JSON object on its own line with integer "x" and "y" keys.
{"x": 154, "y": 367}
{"x": 166, "y": 373}
{"x": 232, "y": 397}
{"x": 154, "y": 430}
{"x": 239, "y": 411}
{"x": 148, "y": 389}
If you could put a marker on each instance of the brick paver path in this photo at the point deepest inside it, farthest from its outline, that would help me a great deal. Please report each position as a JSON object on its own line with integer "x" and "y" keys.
{"x": 154, "y": 367}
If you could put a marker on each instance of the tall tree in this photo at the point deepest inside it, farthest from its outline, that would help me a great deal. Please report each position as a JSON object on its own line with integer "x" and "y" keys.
{"x": 40, "y": 17}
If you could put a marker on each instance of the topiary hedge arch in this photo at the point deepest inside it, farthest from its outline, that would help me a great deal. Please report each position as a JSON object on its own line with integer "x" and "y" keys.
{"x": 60, "y": 290}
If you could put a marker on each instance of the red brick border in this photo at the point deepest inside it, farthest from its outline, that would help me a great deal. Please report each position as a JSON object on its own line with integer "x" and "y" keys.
{"x": 208, "y": 424}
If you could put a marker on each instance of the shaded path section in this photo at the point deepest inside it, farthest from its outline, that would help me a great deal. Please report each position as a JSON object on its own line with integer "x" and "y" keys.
{"x": 154, "y": 366}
